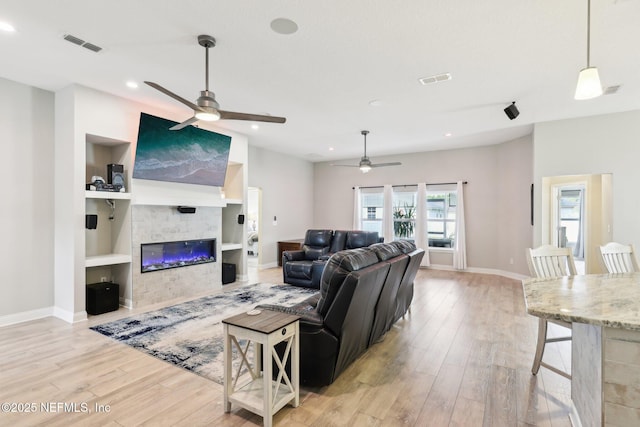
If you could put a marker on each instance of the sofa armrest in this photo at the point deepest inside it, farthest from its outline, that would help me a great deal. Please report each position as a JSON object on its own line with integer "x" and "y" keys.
{"x": 293, "y": 256}
{"x": 308, "y": 315}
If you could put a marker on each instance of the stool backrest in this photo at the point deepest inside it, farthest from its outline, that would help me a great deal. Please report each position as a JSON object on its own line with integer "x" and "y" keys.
{"x": 619, "y": 258}
{"x": 549, "y": 261}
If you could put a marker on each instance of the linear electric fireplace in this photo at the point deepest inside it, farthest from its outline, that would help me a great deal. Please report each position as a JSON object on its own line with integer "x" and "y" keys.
{"x": 161, "y": 256}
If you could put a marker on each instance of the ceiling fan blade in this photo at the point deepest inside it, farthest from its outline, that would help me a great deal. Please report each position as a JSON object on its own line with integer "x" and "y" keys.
{"x": 381, "y": 165}
{"x": 174, "y": 96}
{"x": 230, "y": 115}
{"x": 348, "y": 166}
{"x": 184, "y": 124}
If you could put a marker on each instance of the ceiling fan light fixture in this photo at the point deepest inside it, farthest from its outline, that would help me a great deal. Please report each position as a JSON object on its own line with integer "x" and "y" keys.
{"x": 207, "y": 116}
{"x": 589, "y": 85}
{"x": 365, "y": 168}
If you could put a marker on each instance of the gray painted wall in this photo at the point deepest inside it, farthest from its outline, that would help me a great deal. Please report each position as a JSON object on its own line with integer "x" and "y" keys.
{"x": 287, "y": 193}
{"x": 496, "y": 197}
{"x": 594, "y": 145}
{"x": 26, "y": 217}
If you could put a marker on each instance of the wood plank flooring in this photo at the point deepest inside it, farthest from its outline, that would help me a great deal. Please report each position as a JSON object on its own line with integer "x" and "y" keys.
{"x": 461, "y": 357}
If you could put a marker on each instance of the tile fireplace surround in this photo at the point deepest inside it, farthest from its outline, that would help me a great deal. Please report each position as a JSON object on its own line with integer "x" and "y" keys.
{"x": 164, "y": 223}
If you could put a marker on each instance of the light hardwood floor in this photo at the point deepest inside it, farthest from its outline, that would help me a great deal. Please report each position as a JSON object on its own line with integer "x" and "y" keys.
{"x": 461, "y": 357}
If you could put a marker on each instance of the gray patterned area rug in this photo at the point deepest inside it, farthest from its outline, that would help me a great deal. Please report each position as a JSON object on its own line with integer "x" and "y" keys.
{"x": 189, "y": 334}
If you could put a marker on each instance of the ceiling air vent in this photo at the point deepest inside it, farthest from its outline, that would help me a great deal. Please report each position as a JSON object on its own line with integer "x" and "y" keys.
{"x": 73, "y": 39}
{"x": 78, "y": 41}
{"x": 611, "y": 90}
{"x": 435, "y": 79}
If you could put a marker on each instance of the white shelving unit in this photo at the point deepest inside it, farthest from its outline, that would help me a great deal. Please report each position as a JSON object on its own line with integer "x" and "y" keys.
{"x": 233, "y": 247}
{"x": 108, "y": 246}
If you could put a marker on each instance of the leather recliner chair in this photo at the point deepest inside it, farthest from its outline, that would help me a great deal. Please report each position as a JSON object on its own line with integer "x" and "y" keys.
{"x": 297, "y": 266}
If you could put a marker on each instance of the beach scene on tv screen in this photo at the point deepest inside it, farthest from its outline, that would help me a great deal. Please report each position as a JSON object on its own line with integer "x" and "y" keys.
{"x": 189, "y": 155}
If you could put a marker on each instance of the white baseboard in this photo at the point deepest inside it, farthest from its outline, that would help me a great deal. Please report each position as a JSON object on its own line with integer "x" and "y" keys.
{"x": 25, "y": 316}
{"x": 269, "y": 265}
{"x": 68, "y": 316}
{"x": 126, "y": 303}
{"x": 507, "y": 274}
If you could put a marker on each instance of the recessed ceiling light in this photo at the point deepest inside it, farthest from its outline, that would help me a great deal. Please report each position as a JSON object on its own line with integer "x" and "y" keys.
{"x": 284, "y": 26}
{"x": 375, "y": 103}
{"x": 448, "y": 134}
{"x": 331, "y": 148}
{"x": 132, "y": 85}
{"x": 435, "y": 79}
{"x": 5, "y": 26}
{"x": 255, "y": 126}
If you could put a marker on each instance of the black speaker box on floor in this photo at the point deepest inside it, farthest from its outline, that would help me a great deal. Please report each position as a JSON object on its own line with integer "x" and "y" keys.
{"x": 102, "y": 297}
{"x": 228, "y": 273}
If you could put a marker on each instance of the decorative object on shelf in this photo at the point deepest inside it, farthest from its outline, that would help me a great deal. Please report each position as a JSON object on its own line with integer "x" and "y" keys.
{"x": 115, "y": 176}
{"x": 589, "y": 85}
{"x": 365, "y": 164}
{"x": 206, "y": 107}
{"x": 186, "y": 209}
{"x": 97, "y": 184}
{"x": 404, "y": 221}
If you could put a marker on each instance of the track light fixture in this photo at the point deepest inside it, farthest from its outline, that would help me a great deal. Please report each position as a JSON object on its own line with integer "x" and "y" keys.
{"x": 512, "y": 111}
{"x": 589, "y": 85}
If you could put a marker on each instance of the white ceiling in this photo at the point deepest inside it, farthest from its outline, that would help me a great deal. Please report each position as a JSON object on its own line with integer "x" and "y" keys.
{"x": 344, "y": 55}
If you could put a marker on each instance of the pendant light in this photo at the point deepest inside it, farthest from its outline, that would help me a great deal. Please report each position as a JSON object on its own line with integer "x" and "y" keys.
{"x": 589, "y": 85}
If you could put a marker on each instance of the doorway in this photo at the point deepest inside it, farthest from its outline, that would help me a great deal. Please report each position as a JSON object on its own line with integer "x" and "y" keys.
{"x": 569, "y": 220}
{"x": 577, "y": 213}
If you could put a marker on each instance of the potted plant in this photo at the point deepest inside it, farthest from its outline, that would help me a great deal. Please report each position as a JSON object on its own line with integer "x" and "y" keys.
{"x": 404, "y": 221}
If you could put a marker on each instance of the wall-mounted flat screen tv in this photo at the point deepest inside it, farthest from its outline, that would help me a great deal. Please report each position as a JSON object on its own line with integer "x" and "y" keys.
{"x": 189, "y": 155}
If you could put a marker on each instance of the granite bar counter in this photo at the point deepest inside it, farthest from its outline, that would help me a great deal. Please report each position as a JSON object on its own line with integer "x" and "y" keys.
{"x": 605, "y": 363}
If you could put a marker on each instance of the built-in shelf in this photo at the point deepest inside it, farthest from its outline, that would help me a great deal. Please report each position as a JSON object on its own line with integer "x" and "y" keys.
{"x": 233, "y": 201}
{"x": 230, "y": 246}
{"x": 110, "y": 259}
{"x": 106, "y": 195}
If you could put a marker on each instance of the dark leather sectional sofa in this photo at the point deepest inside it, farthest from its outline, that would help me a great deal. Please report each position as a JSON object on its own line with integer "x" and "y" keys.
{"x": 363, "y": 292}
{"x": 304, "y": 267}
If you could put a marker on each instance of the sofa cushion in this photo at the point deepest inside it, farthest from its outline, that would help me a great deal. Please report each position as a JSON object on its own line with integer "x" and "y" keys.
{"x": 385, "y": 251}
{"x": 360, "y": 239}
{"x": 318, "y": 238}
{"x": 337, "y": 269}
{"x": 405, "y": 246}
{"x": 312, "y": 253}
{"x": 339, "y": 241}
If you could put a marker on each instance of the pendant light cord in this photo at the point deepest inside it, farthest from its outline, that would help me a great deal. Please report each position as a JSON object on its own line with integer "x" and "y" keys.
{"x": 588, "y": 32}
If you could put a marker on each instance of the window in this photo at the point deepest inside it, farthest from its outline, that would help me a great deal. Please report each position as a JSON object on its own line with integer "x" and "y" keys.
{"x": 404, "y": 212}
{"x": 441, "y": 218}
{"x": 372, "y": 202}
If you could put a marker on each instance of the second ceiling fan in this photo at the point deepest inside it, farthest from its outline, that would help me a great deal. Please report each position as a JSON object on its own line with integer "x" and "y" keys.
{"x": 365, "y": 164}
{"x": 206, "y": 107}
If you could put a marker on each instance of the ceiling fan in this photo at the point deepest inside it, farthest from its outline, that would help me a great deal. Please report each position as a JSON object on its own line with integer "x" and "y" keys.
{"x": 206, "y": 107}
{"x": 365, "y": 164}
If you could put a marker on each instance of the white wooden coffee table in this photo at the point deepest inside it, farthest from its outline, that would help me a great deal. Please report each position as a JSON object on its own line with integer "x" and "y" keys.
{"x": 256, "y": 390}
